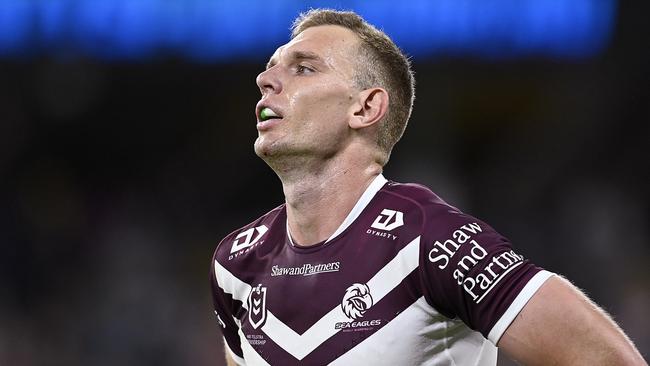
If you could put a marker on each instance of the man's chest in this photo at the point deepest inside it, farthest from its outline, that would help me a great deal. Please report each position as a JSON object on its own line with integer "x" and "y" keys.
{"x": 314, "y": 306}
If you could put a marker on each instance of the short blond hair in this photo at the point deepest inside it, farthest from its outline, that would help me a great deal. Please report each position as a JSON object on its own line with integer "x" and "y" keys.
{"x": 381, "y": 64}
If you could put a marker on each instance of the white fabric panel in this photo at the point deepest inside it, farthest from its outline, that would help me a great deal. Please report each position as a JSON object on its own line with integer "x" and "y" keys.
{"x": 251, "y": 356}
{"x": 422, "y": 336}
{"x": 389, "y": 277}
{"x": 365, "y": 199}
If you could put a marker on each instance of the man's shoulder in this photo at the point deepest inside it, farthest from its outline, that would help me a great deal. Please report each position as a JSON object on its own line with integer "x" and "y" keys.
{"x": 420, "y": 196}
{"x": 430, "y": 212}
{"x": 244, "y": 239}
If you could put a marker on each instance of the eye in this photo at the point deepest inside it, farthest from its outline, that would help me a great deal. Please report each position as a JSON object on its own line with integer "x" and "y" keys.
{"x": 302, "y": 69}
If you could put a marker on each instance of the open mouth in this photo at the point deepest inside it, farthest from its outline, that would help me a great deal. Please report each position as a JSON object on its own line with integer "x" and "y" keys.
{"x": 267, "y": 113}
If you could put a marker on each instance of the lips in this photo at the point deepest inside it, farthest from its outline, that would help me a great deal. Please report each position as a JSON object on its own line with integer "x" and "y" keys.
{"x": 264, "y": 111}
{"x": 268, "y": 113}
{"x": 267, "y": 116}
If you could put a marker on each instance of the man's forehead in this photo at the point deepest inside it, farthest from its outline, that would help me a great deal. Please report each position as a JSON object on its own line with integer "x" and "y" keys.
{"x": 326, "y": 41}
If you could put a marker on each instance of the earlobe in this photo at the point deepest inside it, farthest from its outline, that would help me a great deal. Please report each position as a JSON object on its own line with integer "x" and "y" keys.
{"x": 371, "y": 107}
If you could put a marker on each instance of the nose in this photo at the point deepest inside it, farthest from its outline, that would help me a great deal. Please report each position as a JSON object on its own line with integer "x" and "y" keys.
{"x": 268, "y": 81}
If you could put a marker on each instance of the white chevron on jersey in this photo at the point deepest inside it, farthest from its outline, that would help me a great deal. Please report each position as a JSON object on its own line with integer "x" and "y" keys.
{"x": 356, "y": 211}
{"x": 233, "y": 286}
{"x": 300, "y": 345}
{"x": 434, "y": 340}
{"x": 251, "y": 357}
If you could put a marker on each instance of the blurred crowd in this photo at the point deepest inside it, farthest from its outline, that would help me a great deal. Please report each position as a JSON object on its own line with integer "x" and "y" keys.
{"x": 117, "y": 180}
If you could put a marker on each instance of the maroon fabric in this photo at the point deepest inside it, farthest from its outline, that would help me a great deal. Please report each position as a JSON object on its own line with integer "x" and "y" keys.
{"x": 304, "y": 284}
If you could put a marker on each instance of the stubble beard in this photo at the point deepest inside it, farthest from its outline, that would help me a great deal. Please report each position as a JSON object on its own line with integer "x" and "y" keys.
{"x": 279, "y": 155}
{"x": 292, "y": 160}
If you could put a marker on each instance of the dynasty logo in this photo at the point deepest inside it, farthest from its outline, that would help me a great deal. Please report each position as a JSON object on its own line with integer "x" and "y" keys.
{"x": 247, "y": 240}
{"x": 387, "y": 221}
{"x": 356, "y": 301}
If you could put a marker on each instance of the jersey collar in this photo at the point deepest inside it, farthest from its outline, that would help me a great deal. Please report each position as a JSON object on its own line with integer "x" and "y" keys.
{"x": 361, "y": 204}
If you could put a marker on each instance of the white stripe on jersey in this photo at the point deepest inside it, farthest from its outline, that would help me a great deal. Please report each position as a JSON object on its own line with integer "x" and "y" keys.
{"x": 433, "y": 339}
{"x": 300, "y": 345}
{"x": 231, "y": 284}
{"x": 251, "y": 357}
{"x": 395, "y": 271}
{"x": 363, "y": 201}
{"x": 361, "y": 204}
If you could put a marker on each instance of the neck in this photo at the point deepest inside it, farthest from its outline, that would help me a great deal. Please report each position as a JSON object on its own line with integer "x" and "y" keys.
{"x": 320, "y": 196}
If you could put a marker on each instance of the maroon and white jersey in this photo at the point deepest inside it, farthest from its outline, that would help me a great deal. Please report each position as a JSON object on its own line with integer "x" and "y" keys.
{"x": 405, "y": 280}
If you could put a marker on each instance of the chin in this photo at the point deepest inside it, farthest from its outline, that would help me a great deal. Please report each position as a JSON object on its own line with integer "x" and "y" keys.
{"x": 265, "y": 149}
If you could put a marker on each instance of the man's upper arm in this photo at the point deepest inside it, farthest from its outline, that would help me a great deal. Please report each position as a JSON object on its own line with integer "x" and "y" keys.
{"x": 559, "y": 325}
{"x": 470, "y": 272}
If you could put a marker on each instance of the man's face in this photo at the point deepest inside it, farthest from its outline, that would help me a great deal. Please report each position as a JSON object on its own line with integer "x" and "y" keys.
{"x": 308, "y": 84}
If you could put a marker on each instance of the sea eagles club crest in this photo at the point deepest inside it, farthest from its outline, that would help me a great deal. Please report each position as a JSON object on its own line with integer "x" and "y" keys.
{"x": 257, "y": 306}
{"x": 356, "y": 301}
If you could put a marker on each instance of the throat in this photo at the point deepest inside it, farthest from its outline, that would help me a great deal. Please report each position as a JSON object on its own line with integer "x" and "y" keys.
{"x": 317, "y": 207}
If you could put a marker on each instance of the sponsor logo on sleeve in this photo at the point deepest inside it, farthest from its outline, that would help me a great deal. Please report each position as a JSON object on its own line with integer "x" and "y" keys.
{"x": 306, "y": 269}
{"x": 387, "y": 221}
{"x": 356, "y": 301}
{"x": 479, "y": 285}
{"x": 247, "y": 240}
{"x": 257, "y": 306}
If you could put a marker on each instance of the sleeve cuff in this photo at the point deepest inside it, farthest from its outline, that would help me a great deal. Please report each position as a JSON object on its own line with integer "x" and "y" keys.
{"x": 515, "y": 307}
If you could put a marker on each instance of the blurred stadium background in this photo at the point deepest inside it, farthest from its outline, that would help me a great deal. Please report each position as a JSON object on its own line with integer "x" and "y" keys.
{"x": 126, "y": 131}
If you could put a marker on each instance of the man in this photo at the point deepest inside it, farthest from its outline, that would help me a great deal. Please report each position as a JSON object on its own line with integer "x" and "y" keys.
{"x": 357, "y": 270}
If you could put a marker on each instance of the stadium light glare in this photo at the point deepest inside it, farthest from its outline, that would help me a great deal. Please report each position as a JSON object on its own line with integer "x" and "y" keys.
{"x": 225, "y": 30}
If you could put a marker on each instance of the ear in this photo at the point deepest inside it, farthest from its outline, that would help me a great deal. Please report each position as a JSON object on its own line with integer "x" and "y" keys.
{"x": 371, "y": 107}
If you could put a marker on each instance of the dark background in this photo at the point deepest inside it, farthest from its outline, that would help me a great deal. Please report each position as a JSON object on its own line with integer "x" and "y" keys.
{"x": 118, "y": 179}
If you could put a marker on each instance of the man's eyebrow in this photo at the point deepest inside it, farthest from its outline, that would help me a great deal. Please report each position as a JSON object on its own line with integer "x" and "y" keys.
{"x": 306, "y": 55}
{"x": 298, "y": 55}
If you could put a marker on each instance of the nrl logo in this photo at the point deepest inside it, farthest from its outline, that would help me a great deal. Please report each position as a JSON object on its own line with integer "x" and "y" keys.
{"x": 257, "y": 306}
{"x": 248, "y": 238}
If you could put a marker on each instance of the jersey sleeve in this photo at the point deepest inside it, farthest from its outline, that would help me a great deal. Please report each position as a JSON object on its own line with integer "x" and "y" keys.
{"x": 223, "y": 309}
{"x": 471, "y": 272}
